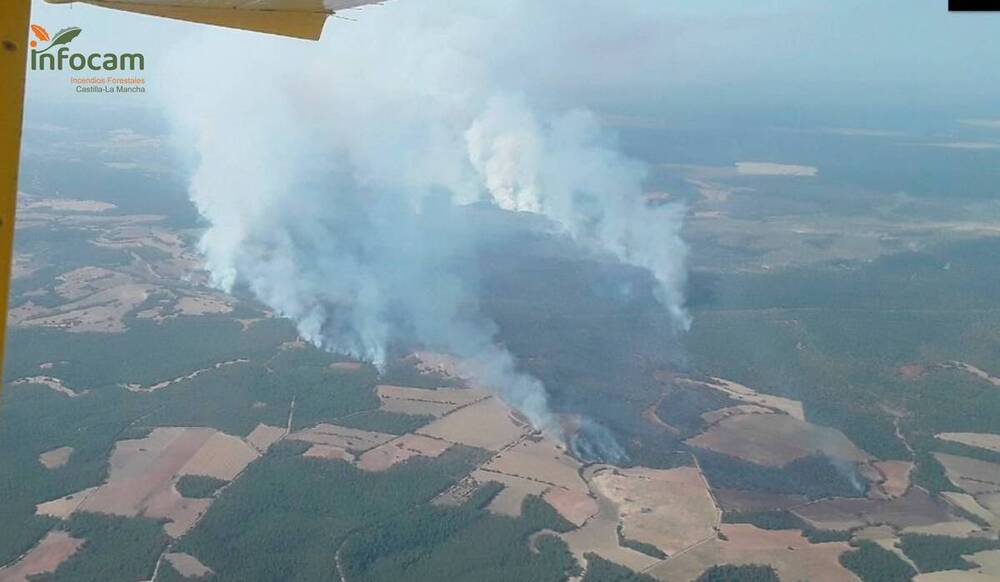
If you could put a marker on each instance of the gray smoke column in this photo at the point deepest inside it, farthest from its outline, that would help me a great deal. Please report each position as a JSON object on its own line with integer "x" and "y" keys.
{"x": 334, "y": 176}
{"x": 564, "y": 169}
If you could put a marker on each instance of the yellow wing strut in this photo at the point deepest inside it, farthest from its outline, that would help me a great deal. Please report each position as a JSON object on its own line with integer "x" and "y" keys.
{"x": 14, "y": 18}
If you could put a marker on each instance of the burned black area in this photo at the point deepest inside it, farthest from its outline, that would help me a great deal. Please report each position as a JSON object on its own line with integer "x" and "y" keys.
{"x": 586, "y": 325}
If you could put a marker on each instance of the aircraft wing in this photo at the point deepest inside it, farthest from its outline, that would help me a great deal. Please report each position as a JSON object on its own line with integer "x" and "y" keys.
{"x": 295, "y": 18}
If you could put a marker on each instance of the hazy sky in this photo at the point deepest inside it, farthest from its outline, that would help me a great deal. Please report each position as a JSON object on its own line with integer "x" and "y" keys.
{"x": 655, "y": 55}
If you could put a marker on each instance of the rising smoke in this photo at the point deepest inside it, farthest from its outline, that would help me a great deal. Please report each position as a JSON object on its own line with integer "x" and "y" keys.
{"x": 335, "y": 178}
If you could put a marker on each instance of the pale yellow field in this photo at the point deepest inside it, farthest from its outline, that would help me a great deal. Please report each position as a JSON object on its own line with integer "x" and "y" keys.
{"x": 892, "y": 478}
{"x": 991, "y": 501}
{"x": 424, "y": 402}
{"x": 787, "y": 551}
{"x": 959, "y": 528}
{"x": 973, "y": 371}
{"x": 713, "y": 416}
{"x": 772, "y": 169}
{"x": 143, "y": 473}
{"x": 989, "y": 562}
{"x": 62, "y": 204}
{"x": 599, "y": 535}
{"x": 541, "y": 460}
{"x": 350, "y": 439}
{"x": 401, "y": 449}
{"x": 509, "y": 500}
{"x": 456, "y": 396}
{"x": 576, "y": 506}
{"x": 55, "y": 458}
{"x": 972, "y": 475}
{"x": 64, "y": 507}
{"x": 486, "y": 424}
{"x": 328, "y": 453}
{"x": 876, "y": 533}
{"x": 775, "y": 440}
{"x": 222, "y": 457}
{"x": 263, "y": 436}
{"x": 55, "y": 548}
{"x": 187, "y": 565}
{"x": 968, "y": 503}
{"x": 204, "y": 304}
{"x": 748, "y": 395}
{"x": 956, "y": 576}
{"x": 102, "y": 312}
{"x": 990, "y": 442}
{"x": 416, "y": 407}
{"x": 670, "y": 509}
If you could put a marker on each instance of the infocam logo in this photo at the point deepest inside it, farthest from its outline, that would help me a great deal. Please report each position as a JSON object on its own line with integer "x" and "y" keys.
{"x": 57, "y": 56}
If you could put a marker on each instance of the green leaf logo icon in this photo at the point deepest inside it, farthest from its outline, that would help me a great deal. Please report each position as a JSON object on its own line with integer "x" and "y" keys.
{"x": 64, "y": 36}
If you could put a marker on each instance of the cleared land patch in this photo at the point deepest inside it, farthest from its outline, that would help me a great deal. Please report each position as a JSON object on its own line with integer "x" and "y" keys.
{"x": 541, "y": 460}
{"x": 441, "y": 364}
{"x": 425, "y": 402}
{"x": 187, "y": 565}
{"x": 204, "y": 304}
{"x": 328, "y": 453}
{"x": 263, "y": 436}
{"x": 773, "y": 169}
{"x": 54, "y": 549}
{"x": 487, "y": 424}
{"x": 670, "y": 509}
{"x": 576, "y": 506}
{"x": 64, "y": 507}
{"x": 54, "y": 384}
{"x": 787, "y": 551}
{"x": 748, "y": 395}
{"x": 348, "y": 439}
{"x": 165, "y": 383}
{"x": 739, "y": 500}
{"x": 55, "y": 458}
{"x": 915, "y": 509}
{"x": 893, "y": 479}
{"x": 401, "y": 449}
{"x": 973, "y": 371}
{"x": 455, "y": 396}
{"x": 143, "y": 473}
{"x": 980, "y": 440}
{"x": 515, "y": 489}
{"x": 972, "y": 475}
{"x": 32, "y": 202}
{"x": 600, "y": 536}
{"x": 968, "y": 503}
{"x": 222, "y": 457}
{"x": 714, "y": 416}
{"x": 775, "y": 440}
{"x": 102, "y": 312}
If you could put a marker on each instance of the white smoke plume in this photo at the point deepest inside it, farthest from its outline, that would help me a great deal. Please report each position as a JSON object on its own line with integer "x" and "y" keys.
{"x": 334, "y": 176}
{"x": 564, "y": 171}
